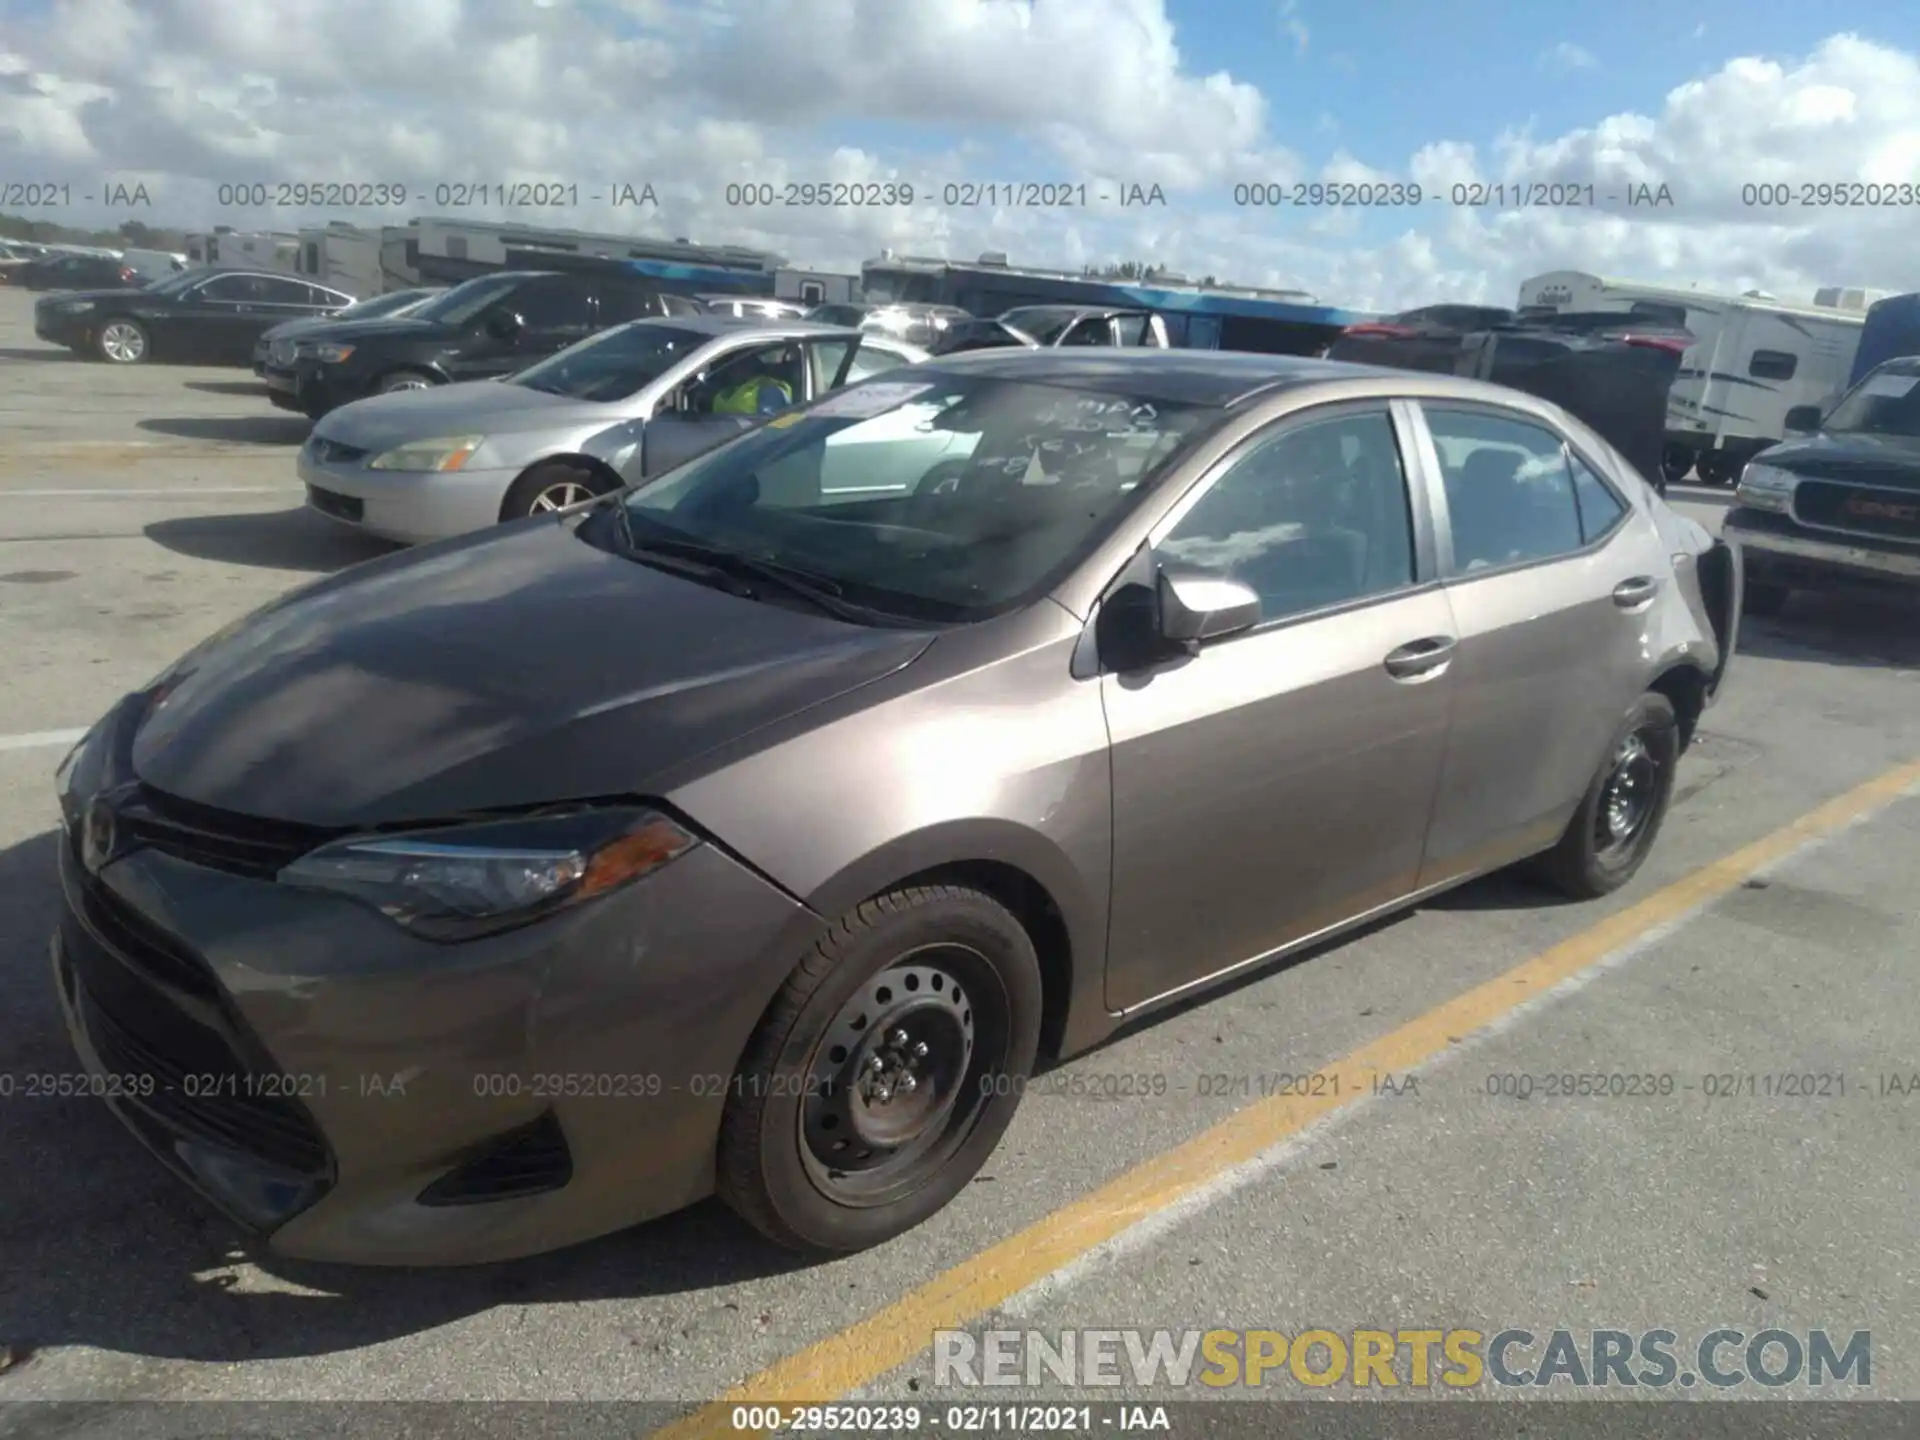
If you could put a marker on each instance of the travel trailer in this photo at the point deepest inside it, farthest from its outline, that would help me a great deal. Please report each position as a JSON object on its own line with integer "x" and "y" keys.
{"x": 360, "y": 262}
{"x": 1755, "y": 359}
{"x": 252, "y": 250}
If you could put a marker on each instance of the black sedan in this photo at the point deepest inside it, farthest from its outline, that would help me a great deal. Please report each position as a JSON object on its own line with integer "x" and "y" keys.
{"x": 70, "y": 271}
{"x": 212, "y": 316}
{"x": 375, "y": 307}
{"x": 1842, "y": 506}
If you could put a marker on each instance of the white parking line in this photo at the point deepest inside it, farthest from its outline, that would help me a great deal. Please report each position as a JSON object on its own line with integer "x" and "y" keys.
{"x": 173, "y": 490}
{"x": 39, "y": 739}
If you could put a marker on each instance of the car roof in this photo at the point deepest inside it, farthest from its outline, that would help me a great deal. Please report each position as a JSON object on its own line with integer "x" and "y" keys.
{"x": 719, "y": 326}
{"x": 1194, "y": 377}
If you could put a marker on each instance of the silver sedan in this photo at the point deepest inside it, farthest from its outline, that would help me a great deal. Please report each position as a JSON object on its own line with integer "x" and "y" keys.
{"x": 424, "y": 465}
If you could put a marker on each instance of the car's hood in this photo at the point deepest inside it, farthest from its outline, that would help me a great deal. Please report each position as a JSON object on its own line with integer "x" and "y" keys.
{"x": 303, "y": 326}
{"x": 521, "y": 666}
{"x": 471, "y": 407}
{"x": 61, "y": 297}
{"x": 383, "y": 327}
{"x": 1889, "y": 460}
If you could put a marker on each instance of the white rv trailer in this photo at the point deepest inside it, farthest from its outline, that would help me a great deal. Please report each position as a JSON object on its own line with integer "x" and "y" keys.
{"x": 363, "y": 263}
{"x": 273, "y": 250}
{"x": 1754, "y": 359}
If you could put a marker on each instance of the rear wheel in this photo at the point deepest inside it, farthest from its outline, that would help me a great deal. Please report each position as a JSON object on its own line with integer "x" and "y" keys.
{"x": 550, "y": 487}
{"x": 1715, "y": 467}
{"x": 1676, "y": 461}
{"x": 1614, "y": 828}
{"x": 123, "y": 342}
{"x": 885, "y": 1071}
{"x": 1763, "y": 599}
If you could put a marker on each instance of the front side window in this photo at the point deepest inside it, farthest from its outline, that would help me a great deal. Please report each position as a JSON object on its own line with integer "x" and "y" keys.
{"x": 1313, "y": 516}
{"x": 612, "y": 364}
{"x": 940, "y": 498}
{"x": 1509, "y": 490}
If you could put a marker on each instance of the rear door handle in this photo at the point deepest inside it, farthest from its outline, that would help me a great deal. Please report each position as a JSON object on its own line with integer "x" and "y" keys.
{"x": 1419, "y": 659}
{"x": 1635, "y": 592}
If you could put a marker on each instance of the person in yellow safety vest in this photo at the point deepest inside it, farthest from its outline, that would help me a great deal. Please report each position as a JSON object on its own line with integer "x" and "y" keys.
{"x": 761, "y": 393}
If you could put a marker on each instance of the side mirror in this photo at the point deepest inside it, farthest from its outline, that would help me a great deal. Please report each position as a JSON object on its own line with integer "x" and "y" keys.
{"x": 1196, "y": 605}
{"x": 1805, "y": 419}
{"x": 505, "y": 325}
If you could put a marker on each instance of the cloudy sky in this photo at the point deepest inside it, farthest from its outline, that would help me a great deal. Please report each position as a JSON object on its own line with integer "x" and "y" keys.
{"x": 1709, "y": 98}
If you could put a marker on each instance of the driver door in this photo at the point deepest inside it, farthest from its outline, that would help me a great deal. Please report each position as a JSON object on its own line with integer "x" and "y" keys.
{"x": 685, "y": 423}
{"x": 1280, "y": 780}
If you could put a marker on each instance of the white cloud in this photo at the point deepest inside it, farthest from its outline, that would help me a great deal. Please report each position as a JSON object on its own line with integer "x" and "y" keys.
{"x": 690, "y": 95}
{"x": 1569, "y": 56}
{"x": 1293, "y": 26}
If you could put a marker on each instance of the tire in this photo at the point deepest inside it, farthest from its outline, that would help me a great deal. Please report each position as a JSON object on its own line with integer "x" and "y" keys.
{"x": 397, "y": 380}
{"x": 796, "y": 1114}
{"x": 1676, "y": 461}
{"x": 1716, "y": 468}
{"x": 123, "y": 342}
{"x": 545, "y": 487}
{"x": 1592, "y": 859}
{"x": 1763, "y": 599}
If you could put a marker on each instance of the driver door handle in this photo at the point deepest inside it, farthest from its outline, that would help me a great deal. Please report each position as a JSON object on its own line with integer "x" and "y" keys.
{"x": 1419, "y": 659}
{"x": 1629, "y": 594}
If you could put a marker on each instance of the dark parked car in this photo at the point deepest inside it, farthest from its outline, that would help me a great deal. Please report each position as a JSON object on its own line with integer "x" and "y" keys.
{"x": 211, "y": 316}
{"x": 74, "y": 272}
{"x": 1612, "y": 372}
{"x": 273, "y": 367}
{"x": 483, "y": 328}
{"x": 1841, "y": 506}
{"x": 755, "y": 831}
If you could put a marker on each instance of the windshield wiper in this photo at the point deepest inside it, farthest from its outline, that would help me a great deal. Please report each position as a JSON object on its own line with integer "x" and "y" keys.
{"x": 817, "y": 590}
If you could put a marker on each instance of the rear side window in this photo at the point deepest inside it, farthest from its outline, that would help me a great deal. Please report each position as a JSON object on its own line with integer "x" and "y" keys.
{"x": 1773, "y": 365}
{"x": 1509, "y": 488}
{"x": 621, "y": 303}
{"x": 1600, "y": 509}
{"x": 872, "y": 360}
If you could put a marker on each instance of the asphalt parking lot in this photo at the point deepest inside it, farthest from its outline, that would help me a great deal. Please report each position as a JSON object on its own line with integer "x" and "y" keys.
{"x": 143, "y": 508}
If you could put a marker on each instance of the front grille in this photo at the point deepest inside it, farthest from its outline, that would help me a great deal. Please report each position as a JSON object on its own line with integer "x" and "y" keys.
{"x": 529, "y": 1161}
{"x": 209, "y": 1096}
{"x": 332, "y": 502}
{"x": 141, "y": 943}
{"x": 217, "y": 839}
{"x": 1863, "y": 510}
{"x": 332, "y": 452}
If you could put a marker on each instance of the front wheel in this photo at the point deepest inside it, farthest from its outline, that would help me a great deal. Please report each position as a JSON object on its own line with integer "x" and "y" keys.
{"x": 884, "y": 1072}
{"x": 123, "y": 342}
{"x": 1613, "y": 831}
{"x": 395, "y": 381}
{"x": 550, "y": 487}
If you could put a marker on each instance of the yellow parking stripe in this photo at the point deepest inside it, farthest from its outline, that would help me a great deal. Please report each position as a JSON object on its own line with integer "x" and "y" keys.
{"x": 868, "y": 1349}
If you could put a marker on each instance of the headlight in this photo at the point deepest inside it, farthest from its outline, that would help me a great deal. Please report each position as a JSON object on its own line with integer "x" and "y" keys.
{"x": 470, "y": 880}
{"x": 63, "y": 777}
{"x": 1765, "y": 488}
{"x": 327, "y": 354}
{"x": 446, "y": 453}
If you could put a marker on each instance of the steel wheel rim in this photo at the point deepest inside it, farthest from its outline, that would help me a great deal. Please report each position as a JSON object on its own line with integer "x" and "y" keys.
{"x": 406, "y": 383}
{"x": 1629, "y": 795}
{"x": 880, "y": 1114}
{"x": 123, "y": 343}
{"x": 560, "y": 495}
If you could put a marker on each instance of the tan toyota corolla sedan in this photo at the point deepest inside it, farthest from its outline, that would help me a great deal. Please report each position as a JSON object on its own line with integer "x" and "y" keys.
{"x": 758, "y": 829}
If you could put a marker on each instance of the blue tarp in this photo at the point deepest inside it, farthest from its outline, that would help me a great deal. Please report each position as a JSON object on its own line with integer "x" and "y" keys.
{"x": 1892, "y": 330}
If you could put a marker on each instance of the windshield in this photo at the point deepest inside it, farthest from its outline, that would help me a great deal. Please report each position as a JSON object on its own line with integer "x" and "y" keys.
{"x": 1042, "y": 324}
{"x": 1885, "y": 403}
{"x": 372, "y": 308}
{"x": 174, "y": 284}
{"x": 613, "y": 364}
{"x": 467, "y": 299}
{"x": 942, "y": 499}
